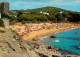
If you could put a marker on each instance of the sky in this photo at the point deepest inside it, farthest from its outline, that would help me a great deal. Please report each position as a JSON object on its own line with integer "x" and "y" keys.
{"x": 73, "y": 5}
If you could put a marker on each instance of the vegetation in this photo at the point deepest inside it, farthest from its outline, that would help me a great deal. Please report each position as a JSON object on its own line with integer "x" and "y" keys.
{"x": 4, "y": 15}
{"x": 55, "y": 15}
{"x": 1, "y": 23}
{"x": 74, "y": 17}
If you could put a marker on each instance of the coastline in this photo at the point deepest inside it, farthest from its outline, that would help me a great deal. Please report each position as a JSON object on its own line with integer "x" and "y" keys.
{"x": 67, "y": 30}
{"x": 48, "y": 35}
{"x": 41, "y": 33}
{"x": 62, "y": 51}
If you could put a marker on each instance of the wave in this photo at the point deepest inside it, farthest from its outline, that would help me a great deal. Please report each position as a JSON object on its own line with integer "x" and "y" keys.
{"x": 56, "y": 40}
{"x": 41, "y": 38}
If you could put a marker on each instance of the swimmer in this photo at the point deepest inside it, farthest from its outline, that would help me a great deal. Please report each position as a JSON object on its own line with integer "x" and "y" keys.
{"x": 76, "y": 33}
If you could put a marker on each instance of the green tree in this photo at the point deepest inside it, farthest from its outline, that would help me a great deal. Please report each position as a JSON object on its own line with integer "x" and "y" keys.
{"x": 3, "y": 15}
{"x": 59, "y": 18}
{"x": 23, "y": 22}
{"x": 12, "y": 18}
{"x": 19, "y": 13}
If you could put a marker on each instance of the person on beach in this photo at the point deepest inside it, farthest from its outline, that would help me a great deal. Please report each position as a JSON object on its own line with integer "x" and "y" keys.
{"x": 30, "y": 28}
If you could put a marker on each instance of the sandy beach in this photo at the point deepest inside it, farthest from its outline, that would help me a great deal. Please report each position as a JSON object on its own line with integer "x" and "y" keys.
{"x": 34, "y": 31}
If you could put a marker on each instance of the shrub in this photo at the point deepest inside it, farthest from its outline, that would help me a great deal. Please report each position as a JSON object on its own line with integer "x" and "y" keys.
{"x": 1, "y": 23}
{"x": 34, "y": 21}
{"x": 3, "y": 15}
{"x": 23, "y": 22}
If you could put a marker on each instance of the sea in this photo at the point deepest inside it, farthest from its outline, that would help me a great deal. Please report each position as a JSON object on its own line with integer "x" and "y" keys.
{"x": 68, "y": 40}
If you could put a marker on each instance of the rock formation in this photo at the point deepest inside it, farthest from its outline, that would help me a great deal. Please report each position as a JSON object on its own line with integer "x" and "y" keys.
{"x": 12, "y": 45}
{"x": 53, "y": 36}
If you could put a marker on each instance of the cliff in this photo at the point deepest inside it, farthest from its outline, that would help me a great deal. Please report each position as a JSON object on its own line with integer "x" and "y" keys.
{"x": 12, "y": 45}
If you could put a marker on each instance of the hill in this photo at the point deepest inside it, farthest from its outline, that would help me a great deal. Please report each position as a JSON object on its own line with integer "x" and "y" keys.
{"x": 49, "y": 9}
{"x": 46, "y": 14}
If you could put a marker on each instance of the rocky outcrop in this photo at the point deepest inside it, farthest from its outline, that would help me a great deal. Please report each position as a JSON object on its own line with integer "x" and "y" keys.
{"x": 12, "y": 45}
{"x": 53, "y": 36}
{"x": 6, "y": 23}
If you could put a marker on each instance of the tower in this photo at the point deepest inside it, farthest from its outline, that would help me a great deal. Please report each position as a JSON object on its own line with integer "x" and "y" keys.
{"x": 0, "y": 9}
{"x": 5, "y": 7}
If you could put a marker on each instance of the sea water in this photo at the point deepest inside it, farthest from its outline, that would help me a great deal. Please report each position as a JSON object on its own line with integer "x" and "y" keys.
{"x": 66, "y": 40}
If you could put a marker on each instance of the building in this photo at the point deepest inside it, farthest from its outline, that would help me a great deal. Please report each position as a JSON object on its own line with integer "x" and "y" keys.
{"x": 41, "y": 12}
{"x": 0, "y": 9}
{"x": 45, "y": 13}
{"x": 61, "y": 12}
{"x": 4, "y": 7}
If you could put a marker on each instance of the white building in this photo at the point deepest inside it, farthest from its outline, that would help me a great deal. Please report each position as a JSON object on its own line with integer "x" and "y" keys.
{"x": 45, "y": 13}
{"x": 41, "y": 12}
{"x": 61, "y": 11}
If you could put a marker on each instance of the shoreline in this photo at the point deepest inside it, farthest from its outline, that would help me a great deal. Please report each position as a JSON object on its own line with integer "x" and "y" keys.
{"x": 48, "y": 35}
{"x": 34, "y": 31}
{"x": 62, "y": 51}
{"x": 45, "y": 33}
{"x": 49, "y": 32}
{"x": 68, "y": 29}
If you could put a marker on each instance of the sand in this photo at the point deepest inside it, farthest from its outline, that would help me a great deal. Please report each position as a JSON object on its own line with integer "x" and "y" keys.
{"x": 34, "y": 35}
